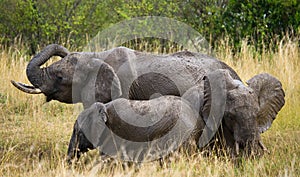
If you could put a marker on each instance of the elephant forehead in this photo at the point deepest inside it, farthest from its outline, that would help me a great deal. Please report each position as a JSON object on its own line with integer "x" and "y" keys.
{"x": 242, "y": 97}
{"x": 64, "y": 66}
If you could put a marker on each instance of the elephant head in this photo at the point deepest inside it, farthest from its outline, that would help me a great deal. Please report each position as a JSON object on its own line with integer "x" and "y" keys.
{"x": 71, "y": 79}
{"x": 36, "y": 75}
{"x": 249, "y": 110}
{"x": 94, "y": 116}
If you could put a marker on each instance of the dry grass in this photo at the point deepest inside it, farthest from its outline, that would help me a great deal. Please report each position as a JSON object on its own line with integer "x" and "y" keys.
{"x": 34, "y": 135}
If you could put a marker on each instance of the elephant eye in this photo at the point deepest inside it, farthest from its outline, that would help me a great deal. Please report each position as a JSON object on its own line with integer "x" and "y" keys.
{"x": 230, "y": 116}
{"x": 59, "y": 78}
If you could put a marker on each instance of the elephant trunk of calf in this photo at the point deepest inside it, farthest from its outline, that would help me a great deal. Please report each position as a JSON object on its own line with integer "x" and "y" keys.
{"x": 78, "y": 144}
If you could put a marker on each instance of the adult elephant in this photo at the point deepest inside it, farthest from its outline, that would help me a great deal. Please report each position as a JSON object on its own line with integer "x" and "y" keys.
{"x": 119, "y": 72}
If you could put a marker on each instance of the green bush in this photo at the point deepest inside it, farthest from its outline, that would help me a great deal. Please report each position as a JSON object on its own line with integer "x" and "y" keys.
{"x": 74, "y": 22}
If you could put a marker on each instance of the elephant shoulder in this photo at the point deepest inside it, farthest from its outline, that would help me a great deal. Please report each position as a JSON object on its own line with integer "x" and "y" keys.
{"x": 232, "y": 72}
{"x": 120, "y": 52}
{"x": 118, "y": 56}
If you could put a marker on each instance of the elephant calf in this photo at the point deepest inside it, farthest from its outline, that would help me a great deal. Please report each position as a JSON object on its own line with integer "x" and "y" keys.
{"x": 136, "y": 130}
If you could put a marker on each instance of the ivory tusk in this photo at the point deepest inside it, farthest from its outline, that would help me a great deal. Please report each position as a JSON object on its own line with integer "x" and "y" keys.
{"x": 237, "y": 148}
{"x": 263, "y": 147}
{"x": 26, "y": 88}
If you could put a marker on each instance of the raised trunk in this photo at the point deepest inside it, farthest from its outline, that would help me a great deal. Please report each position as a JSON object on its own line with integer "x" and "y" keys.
{"x": 34, "y": 72}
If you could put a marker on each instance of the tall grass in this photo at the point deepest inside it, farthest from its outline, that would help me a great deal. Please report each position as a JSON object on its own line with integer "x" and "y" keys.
{"x": 34, "y": 135}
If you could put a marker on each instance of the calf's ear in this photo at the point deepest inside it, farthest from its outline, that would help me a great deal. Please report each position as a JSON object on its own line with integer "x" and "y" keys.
{"x": 91, "y": 122}
{"x": 270, "y": 97}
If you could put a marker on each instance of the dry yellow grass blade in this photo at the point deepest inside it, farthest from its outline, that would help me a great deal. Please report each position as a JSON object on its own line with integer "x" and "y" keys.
{"x": 34, "y": 135}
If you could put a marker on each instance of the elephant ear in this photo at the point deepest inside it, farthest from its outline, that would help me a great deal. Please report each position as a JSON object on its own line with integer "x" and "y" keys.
{"x": 207, "y": 99}
{"x": 270, "y": 98}
{"x": 91, "y": 122}
{"x": 216, "y": 86}
{"x": 96, "y": 81}
{"x": 108, "y": 85}
{"x": 214, "y": 101}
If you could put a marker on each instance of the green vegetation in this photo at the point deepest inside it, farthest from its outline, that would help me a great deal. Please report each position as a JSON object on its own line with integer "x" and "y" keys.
{"x": 74, "y": 22}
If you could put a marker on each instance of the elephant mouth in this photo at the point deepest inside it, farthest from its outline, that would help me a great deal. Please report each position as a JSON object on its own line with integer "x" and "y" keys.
{"x": 50, "y": 96}
{"x": 26, "y": 88}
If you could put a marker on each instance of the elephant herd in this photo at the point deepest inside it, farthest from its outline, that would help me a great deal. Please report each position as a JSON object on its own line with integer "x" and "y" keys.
{"x": 140, "y": 106}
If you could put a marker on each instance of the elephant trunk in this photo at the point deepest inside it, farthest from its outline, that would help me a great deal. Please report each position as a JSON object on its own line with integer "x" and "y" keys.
{"x": 34, "y": 72}
{"x": 79, "y": 144}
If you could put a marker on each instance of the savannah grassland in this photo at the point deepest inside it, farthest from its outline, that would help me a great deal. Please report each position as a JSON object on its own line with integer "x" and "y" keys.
{"x": 34, "y": 135}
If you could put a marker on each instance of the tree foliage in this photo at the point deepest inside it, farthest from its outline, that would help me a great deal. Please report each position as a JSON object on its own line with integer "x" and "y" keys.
{"x": 73, "y": 22}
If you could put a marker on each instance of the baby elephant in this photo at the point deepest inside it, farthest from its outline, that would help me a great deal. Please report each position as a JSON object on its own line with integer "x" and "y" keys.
{"x": 134, "y": 130}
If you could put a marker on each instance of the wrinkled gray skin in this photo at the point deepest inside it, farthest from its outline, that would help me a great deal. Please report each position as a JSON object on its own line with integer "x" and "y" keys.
{"x": 169, "y": 119}
{"x": 119, "y": 72}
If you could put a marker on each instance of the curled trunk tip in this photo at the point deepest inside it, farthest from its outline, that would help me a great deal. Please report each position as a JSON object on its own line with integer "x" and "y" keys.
{"x": 34, "y": 72}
